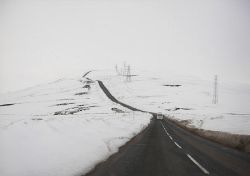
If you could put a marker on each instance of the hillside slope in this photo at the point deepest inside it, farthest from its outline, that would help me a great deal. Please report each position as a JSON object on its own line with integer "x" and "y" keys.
{"x": 62, "y": 128}
{"x": 184, "y": 98}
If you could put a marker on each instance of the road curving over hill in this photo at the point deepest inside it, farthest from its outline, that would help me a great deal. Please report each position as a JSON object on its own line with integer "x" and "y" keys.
{"x": 112, "y": 98}
{"x": 165, "y": 149}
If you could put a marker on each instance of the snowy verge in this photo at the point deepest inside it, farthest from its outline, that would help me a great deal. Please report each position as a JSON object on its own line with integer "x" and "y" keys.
{"x": 236, "y": 141}
{"x": 67, "y": 146}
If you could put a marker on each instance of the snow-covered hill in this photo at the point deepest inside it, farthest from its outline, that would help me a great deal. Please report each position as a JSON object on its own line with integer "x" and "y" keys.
{"x": 62, "y": 128}
{"x": 67, "y": 126}
{"x": 185, "y": 98}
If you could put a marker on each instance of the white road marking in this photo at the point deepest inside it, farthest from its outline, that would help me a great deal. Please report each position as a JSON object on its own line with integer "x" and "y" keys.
{"x": 164, "y": 128}
{"x": 166, "y": 131}
{"x": 190, "y": 157}
{"x": 197, "y": 164}
{"x": 177, "y": 145}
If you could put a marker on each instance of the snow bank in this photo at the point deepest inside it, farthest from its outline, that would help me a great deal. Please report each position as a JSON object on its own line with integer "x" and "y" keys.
{"x": 64, "y": 146}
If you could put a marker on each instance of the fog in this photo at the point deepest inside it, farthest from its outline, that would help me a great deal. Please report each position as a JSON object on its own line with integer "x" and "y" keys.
{"x": 43, "y": 40}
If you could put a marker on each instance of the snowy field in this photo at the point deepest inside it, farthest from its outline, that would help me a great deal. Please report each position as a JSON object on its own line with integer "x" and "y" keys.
{"x": 62, "y": 128}
{"x": 185, "y": 98}
{"x": 67, "y": 126}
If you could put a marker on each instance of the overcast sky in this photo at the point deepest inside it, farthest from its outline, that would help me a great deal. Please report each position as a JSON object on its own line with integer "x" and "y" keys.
{"x": 42, "y": 40}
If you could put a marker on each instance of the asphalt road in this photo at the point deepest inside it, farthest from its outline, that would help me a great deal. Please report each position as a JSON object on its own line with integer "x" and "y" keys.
{"x": 166, "y": 149}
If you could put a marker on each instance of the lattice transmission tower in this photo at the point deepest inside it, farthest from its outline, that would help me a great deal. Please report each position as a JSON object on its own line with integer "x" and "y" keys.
{"x": 215, "y": 92}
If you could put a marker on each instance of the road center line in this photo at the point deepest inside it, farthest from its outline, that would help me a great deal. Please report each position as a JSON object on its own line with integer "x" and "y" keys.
{"x": 198, "y": 164}
{"x": 166, "y": 131}
{"x": 164, "y": 128}
{"x": 190, "y": 157}
{"x": 177, "y": 145}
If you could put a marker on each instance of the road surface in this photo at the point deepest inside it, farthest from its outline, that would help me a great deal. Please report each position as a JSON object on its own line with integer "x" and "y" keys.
{"x": 164, "y": 149}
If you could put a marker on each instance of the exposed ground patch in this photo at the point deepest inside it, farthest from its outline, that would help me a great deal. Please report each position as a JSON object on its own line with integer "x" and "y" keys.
{"x": 65, "y": 99}
{"x": 172, "y": 85}
{"x": 117, "y": 110}
{"x": 217, "y": 117}
{"x": 86, "y": 85}
{"x": 63, "y": 104}
{"x": 37, "y": 119}
{"x": 238, "y": 114}
{"x": 81, "y": 93}
{"x": 177, "y": 109}
{"x": 9, "y": 104}
{"x": 74, "y": 110}
{"x": 89, "y": 81}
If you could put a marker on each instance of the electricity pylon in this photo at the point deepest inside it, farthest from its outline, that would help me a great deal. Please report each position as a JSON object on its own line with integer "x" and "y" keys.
{"x": 215, "y": 93}
{"x": 128, "y": 74}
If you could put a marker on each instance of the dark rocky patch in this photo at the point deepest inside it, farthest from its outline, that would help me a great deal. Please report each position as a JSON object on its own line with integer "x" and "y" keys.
{"x": 172, "y": 85}
{"x": 9, "y": 104}
{"x": 63, "y": 104}
{"x": 237, "y": 114}
{"x": 74, "y": 110}
{"x": 177, "y": 109}
{"x": 81, "y": 93}
{"x": 37, "y": 119}
{"x": 87, "y": 86}
{"x": 65, "y": 99}
{"x": 89, "y": 81}
{"x": 117, "y": 110}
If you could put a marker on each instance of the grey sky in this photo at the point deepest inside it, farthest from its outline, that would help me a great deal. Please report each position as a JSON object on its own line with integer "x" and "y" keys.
{"x": 42, "y": 40}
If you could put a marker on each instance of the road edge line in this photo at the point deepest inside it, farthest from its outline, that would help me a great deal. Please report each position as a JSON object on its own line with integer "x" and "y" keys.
{"x": 198, "y": 164}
